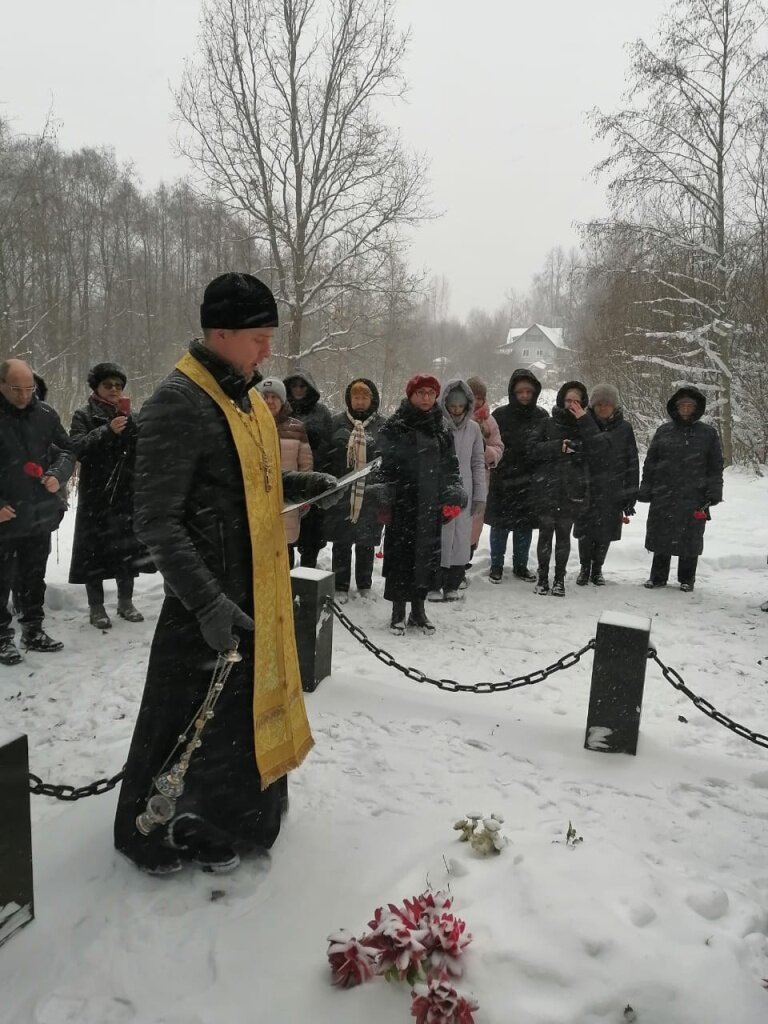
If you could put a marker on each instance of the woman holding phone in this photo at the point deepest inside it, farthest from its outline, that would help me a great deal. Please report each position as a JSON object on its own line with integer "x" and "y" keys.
{"x": 105, "y": 546}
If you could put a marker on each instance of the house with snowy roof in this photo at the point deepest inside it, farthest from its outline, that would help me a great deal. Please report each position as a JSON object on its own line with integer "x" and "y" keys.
{"x": 536, "y": 348}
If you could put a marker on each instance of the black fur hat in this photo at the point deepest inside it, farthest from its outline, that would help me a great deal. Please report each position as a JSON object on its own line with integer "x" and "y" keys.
{"x": 237, "y": 301}
{"x": 102, "y": 371}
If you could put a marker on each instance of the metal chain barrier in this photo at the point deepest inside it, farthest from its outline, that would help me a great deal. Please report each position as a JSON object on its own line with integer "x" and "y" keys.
{"x": 567, "y": 661}
{"x": 70, "y": 793}
{"x": 672, "y": 676}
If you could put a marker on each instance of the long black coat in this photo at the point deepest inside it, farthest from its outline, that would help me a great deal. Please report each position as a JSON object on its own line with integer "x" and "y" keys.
{"x": 32, "y": 435}
{"x": 614, "y": 475}
{"x": 316, "y": 418}
{"x": 419, "y": 466}
{"x": 105, "y": 546}
{"x": 560, "y": 480}
{"x": 191, "y": 515}
{"x": 510, "y": 503}
{"x": 338, "y": 527}
{"x": 683, "y": 470}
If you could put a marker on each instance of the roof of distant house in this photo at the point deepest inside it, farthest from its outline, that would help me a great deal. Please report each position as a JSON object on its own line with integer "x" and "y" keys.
{"x": 554, "y": 334}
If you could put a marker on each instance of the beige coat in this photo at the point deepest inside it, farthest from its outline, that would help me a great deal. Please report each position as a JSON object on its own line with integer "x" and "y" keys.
{"x": 295, "y": 454}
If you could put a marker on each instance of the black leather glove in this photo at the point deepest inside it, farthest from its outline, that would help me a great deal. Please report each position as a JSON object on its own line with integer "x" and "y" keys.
{"x": 322, "y": 482}
{"x": 218, "y": 620}
{"x": 629, "y": 510}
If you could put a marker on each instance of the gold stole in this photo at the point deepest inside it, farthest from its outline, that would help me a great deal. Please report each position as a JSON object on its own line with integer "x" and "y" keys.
{"x": 282, "y": 737}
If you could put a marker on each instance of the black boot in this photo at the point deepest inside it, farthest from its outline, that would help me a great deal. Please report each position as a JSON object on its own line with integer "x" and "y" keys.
{"x": 418, "y": 617}
{"x": 9, "y": 652}
{"x": 127, "y": 610}
{"x": 597, "y": 576}
{"x": 558, "y": 587}
{"x": 397, "y": 624}
{"x": 36, "y": 639}
{"x": 205, "y": 845}
{"x": 542, "y": 584}
{"x": 99, "y": 617}
{"x": 583, "y": 578}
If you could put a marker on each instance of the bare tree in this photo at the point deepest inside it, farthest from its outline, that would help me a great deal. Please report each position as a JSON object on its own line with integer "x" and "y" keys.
{"x": 279, "y": 116}
{"x": 672, "y": 166}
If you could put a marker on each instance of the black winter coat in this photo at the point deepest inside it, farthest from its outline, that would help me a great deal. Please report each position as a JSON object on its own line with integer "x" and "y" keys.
{"x": 105, "y": 546}
{"x": 32, "y": 436}
{"x": 613, "y": 479}
{"x": 561, "y": 479}
{"x": 419, "y": 466}
{"x": 510, "y": 503}
{"x": 191, "y": 515}
{"x": 337, "y": 526}
{"x": 683, "y": 471}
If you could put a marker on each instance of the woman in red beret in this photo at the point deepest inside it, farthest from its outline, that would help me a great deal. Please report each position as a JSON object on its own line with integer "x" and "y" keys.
{"x": 424, "y": 490}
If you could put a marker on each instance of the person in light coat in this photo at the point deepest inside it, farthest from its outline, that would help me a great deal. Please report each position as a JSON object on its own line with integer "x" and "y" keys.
{"x": 493, "y": 446}
{"x": 457, "y": 403}
{"x": 295, "y": 450}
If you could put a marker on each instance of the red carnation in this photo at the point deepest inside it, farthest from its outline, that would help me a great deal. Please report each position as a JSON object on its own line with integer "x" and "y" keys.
{"x": 33, "y": 469}
{"x": 451, "y": 512}
{"x": 352, "y": 962}
{"x": 438, "y": 1002}
{"x": 699, "y": 514}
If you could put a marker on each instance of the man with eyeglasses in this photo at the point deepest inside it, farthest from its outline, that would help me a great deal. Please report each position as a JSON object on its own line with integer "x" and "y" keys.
{"x": 36, "y": 461}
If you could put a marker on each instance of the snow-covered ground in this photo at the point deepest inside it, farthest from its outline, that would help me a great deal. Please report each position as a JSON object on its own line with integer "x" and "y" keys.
{"x": 664, "y": 906}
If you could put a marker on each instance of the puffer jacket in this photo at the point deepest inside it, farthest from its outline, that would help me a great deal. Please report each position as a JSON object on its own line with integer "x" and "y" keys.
{"x": 295, "y": 455}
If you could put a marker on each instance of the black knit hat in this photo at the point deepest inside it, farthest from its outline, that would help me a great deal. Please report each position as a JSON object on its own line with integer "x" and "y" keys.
{"x": 103, "y": 371}
{"x": 237, "y": 301}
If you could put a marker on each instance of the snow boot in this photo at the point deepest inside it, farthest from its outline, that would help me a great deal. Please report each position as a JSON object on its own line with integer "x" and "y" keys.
{"x": 99, "y": 617}
{"x": 342, "y": 596}
{"x": 159, "y": 862}
{"x": 127, "y": 610}
{"x": 583, "y": 578}
{"x": 418, "y": 618}
{"x": 365, "y": 593}
{"x": 558, "y": 587}
{"x": 598, "y": 580}
{"x": 9, "y": 652}
{"x": 397, "y": 624}
{"x": 686, "y": 587}
{"x": 435, "y": 595}
{"x": 496, "y": 573}
{"x": 654, "y": 584}
{"x": 522, "y": 572}
{"x": 205, "y": 845}
{"x": 452, "y": 595}
{"x": 37, "y": 639}
{"x": 542, "y": 583}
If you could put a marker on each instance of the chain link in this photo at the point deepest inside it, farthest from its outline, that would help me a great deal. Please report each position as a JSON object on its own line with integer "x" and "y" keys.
{"x": 450, "y": 685}
{"x": 707, "y": 707}
{"x": 70, "y": 793}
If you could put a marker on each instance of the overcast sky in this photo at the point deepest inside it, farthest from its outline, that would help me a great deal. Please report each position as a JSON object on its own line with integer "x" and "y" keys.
{"x": 498, "y": 94}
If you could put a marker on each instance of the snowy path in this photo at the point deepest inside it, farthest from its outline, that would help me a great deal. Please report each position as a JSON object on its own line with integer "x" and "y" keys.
{"x": 664, "y": 906}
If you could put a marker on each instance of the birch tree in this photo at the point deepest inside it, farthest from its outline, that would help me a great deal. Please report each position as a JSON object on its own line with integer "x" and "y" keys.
{"x": 280, "y": 114}
{"x": 673, "y": 183}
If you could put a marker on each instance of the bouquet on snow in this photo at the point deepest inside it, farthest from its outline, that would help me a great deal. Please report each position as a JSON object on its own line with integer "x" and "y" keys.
{"x": 422, "y": 942}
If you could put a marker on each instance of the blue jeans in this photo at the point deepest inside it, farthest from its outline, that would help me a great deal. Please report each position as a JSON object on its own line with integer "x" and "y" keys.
{"x": 521, "y": 546}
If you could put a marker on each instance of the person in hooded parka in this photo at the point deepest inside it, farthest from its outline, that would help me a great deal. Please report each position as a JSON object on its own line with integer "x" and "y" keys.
{"x": 457, "y": 403}
{"x": 614, "y": 477}
{"x": 510, "y": 499}
{"x": 682, "y": 480}
{"x": 304, "y": 398}
{"x": 354, "y": 522}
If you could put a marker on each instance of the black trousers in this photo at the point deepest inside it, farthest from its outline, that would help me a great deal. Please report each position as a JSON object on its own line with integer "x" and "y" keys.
{"x": 311, "y": 540}
{"x": 22, "y": 568}
{"x": 686, "y": 568}
{"x": 341, "y": 563}
{"x": 593, "y": 552}
{"x": 559, "y": 528}
{"x": 95, "y": 590}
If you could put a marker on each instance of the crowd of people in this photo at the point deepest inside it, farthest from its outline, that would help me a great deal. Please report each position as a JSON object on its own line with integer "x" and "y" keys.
{"x": 448, "y": 465}
{"x": 195, "y": 486}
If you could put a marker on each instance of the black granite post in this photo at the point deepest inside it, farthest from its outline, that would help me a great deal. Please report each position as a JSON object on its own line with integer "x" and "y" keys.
{"x": 16, "y": 897}
{"x": 313, "y": 619}
{"x": 618, "y": 678}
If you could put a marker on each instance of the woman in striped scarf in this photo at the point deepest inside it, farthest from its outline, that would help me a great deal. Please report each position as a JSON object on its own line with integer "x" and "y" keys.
{"x": 353, "y": 521}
